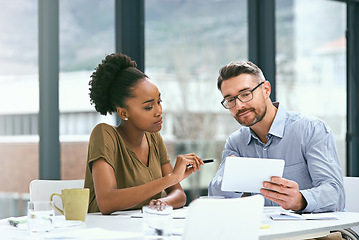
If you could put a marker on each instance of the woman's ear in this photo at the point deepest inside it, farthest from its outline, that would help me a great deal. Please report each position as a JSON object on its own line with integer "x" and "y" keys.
{"x": 122, "y": 113}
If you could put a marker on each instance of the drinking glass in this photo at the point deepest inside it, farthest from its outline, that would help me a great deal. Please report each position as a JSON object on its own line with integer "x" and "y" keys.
{"x": 157, "y": 221}
{"x": 40, "y": 216}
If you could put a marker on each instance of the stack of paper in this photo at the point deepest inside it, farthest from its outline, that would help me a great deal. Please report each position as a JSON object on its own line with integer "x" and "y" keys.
{"x": 307, "y": 216}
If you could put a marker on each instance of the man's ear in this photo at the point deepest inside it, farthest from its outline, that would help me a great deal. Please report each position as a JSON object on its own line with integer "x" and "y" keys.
{"x": 122, "y": 113}
{"x": 267, "y": 88}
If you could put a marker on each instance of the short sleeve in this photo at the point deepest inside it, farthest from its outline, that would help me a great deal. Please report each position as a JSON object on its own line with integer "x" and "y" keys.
{"x": 102, "y": 145}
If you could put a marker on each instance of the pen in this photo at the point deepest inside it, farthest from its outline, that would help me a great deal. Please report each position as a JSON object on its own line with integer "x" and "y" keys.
{"x": 15, "y": 222}
{"x": 209, "y": 160}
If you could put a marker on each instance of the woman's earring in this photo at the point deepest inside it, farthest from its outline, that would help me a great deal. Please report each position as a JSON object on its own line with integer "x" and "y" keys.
{"x": 125, "y": 119}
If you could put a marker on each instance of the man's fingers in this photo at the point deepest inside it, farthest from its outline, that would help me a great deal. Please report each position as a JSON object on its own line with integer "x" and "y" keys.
{"x": 277, "y": 187}
{"x": 285, "y": 182}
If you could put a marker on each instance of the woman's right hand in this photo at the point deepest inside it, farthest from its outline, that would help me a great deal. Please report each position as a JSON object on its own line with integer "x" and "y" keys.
{"x": 181, "y": 171}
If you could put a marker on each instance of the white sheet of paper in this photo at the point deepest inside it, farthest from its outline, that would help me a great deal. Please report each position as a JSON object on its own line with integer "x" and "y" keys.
{"x": 179, "y": 213}
{"x": 94, "y": 233}
{"x": 307, "y": 216}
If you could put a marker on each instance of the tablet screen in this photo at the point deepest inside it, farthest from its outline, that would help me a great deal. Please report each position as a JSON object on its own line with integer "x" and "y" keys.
{"x": 243, "y": 174}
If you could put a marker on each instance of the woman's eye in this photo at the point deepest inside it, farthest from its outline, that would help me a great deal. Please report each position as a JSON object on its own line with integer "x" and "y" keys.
{"x": 159, "y": 102}
{"x": 148, "y": 108}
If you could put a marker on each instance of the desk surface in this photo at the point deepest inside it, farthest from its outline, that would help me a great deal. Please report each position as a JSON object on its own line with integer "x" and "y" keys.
{"x": 127, "y": 225}
{"x": 301, "y": 229}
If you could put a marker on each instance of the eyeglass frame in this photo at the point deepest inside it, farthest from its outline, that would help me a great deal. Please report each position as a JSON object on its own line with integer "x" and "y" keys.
{"x": 236, "y": 97}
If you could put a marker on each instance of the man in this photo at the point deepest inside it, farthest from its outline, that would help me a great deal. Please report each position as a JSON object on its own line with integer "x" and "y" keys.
{"x": 312, "y": 179}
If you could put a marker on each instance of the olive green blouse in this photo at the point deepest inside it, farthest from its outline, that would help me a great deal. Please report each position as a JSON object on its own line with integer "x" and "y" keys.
{"x": 105, "y": 142}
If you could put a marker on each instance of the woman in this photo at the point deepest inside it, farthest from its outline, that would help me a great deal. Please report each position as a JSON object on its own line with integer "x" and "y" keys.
{"x": 128, "y": 166}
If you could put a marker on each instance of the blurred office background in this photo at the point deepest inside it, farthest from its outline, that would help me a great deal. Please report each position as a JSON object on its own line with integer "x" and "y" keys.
{"x": 185, "y": 44}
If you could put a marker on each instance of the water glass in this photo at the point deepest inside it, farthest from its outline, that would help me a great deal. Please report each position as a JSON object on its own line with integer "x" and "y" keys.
{"x": 157, "y": 221}
{"x": 40, "y": 216}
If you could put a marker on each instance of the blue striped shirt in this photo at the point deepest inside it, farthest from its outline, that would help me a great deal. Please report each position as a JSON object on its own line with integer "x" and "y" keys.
{"x": 309, "y": 150}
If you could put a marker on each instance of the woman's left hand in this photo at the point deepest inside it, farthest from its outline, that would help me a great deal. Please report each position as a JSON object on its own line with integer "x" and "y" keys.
{"x": 158, "y": 202}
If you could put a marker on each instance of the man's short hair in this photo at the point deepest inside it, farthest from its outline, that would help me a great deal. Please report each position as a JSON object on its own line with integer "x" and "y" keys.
{"x": 235, "y": 69}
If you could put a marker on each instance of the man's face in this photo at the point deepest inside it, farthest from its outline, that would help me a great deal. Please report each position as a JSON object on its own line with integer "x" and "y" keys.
{"x": 248, "y": 113}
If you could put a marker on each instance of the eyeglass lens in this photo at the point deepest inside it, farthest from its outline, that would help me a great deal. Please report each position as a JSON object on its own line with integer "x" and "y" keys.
{"x": 243, "y": 97}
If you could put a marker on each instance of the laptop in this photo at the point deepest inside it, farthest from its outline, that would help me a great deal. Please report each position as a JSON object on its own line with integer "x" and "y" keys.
{"x": 243, "y": 174}
{"x": 231, "y": 218}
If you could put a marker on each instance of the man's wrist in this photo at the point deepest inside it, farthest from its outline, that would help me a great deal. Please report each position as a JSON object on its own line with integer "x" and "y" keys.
{"x": 303, "y": 202}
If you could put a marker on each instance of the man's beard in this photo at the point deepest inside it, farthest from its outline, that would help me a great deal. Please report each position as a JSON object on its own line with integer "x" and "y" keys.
{"x": 257, "y": 118}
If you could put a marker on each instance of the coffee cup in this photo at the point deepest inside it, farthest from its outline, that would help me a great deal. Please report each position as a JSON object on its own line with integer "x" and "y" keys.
{"x": 74, "y": 203}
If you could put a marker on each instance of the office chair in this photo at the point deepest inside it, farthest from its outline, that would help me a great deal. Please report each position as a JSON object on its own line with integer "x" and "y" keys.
{"x": 40, "y": 190}
{"x": 351, "y": 186}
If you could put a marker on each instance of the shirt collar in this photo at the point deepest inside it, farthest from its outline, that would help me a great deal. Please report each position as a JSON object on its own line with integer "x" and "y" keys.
{"x": 277, "y": 128}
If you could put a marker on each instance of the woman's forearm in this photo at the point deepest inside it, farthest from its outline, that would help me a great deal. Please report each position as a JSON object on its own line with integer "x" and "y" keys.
{"x": 176, "y": 196}
{"x": 112, "y": 200}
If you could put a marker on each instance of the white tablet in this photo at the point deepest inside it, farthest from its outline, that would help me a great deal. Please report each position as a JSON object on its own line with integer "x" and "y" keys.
{"x": 248, "y": 174}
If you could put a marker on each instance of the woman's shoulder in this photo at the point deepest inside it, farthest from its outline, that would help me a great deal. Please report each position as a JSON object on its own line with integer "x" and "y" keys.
{"x": 104, "y": 128}
{"x": 155, "y": 137}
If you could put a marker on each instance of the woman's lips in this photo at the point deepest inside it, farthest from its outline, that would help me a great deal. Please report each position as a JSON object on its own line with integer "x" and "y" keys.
{"x": 159, "y": 121}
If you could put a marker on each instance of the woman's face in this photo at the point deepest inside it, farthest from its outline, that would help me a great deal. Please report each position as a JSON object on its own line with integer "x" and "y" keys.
{"x": 144, "y": 110}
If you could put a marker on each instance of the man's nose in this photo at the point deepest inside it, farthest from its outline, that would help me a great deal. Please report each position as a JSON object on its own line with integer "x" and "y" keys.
{"x": 239, "y": 104}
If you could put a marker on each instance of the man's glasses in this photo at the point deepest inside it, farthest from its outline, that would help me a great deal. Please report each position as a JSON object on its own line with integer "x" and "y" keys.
{"x": 244, "y": 97}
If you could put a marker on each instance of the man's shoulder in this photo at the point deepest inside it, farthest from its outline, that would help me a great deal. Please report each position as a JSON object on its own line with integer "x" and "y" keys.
{"x": 240, "y": 133}
{"x": 301, "y": 121}
{"x": 297, "y": 117}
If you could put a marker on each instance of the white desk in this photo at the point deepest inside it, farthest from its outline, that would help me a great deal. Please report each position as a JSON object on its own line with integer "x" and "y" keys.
{"x": 302, "y": 229}
{"x": 125, "y": 223}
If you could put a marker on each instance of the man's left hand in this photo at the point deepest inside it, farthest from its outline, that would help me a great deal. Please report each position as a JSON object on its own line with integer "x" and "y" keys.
{"x": 284, "y": 192}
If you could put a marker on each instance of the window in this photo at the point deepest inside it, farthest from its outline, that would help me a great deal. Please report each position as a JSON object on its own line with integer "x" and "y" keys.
{"x": 87, "y": 35}
{"x": 187, "y": 42}
{"x": 19, "y": 96}
{"x": 311, "y": 62}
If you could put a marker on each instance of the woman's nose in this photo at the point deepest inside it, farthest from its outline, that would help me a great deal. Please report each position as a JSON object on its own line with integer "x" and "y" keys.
{"x": 159, "y": 110}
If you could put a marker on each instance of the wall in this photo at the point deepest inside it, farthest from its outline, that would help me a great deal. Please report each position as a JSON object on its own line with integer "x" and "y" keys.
{"x": 18, "y": 168}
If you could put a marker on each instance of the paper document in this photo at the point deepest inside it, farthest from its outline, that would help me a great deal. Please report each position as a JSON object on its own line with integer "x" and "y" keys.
{"x": 94, "y": 233}
{"x": 179, "y": 213}
{"x": 307, "y": 216}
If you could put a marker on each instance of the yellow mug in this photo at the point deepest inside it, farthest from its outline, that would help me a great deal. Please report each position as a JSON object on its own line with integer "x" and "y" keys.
{"x": 75, "y": 203}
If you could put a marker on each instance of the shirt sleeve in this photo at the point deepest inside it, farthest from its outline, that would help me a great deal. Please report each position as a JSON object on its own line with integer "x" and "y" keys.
{"x": 327, "y": 193}
{"x": 214, "y": 188}
{"x": 101, "y": 145}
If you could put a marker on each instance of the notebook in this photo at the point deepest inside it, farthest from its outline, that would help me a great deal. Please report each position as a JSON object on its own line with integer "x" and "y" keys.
{"x": 248, "y": 174}
{"x": 234, "y": 218}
